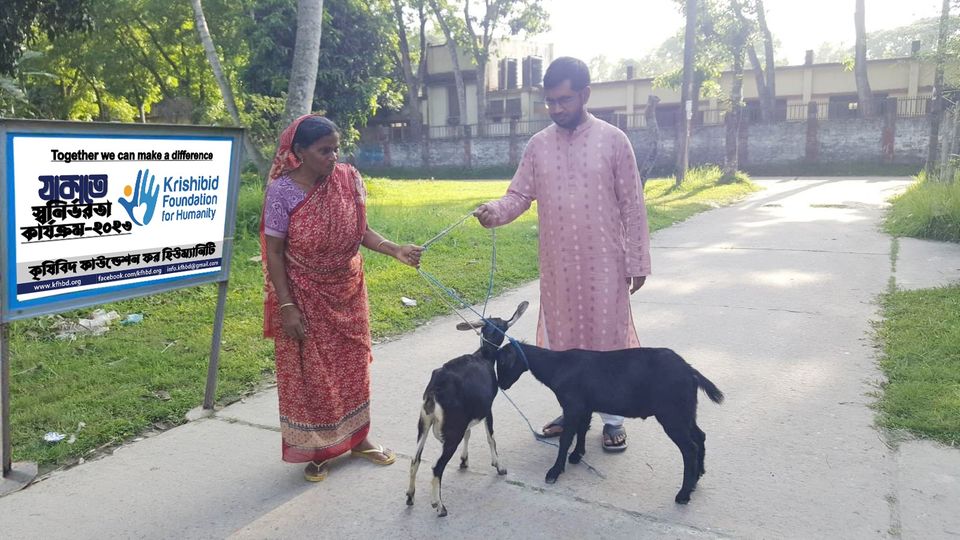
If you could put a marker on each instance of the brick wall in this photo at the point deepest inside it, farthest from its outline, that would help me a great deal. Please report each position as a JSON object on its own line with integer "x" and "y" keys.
{"x": 880, "y": 140}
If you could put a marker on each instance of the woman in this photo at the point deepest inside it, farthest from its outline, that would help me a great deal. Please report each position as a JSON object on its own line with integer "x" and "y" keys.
{"x": 314, "y": 222}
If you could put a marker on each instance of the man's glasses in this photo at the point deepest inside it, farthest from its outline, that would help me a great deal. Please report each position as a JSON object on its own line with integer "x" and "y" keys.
{"x": 564, "y": 101}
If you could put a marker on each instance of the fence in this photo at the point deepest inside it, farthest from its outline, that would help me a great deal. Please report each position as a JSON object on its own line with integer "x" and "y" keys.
{"x": 826, "y": 109}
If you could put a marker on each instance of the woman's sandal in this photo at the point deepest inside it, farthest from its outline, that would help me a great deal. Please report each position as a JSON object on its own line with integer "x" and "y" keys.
{"x": 369, "y": 455}
{"x": 316, "y": 472}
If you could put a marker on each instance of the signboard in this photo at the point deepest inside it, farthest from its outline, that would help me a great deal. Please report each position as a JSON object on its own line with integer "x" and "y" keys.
{"x": 100, "y": 212}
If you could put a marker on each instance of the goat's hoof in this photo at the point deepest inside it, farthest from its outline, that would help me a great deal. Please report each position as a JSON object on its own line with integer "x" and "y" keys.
{"x": 575, "y": 458}
{"x": 501, "y": 472}
{"x": 552, "y": 475}
{"x": 409, "y": 499}
{"x": 682, "y": 498}
{"x": 442, "y": 511}
{"x": 463, "y": 464}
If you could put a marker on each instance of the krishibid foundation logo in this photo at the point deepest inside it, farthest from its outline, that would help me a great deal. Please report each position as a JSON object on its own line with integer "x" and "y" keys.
{"x": 143, "y": 194}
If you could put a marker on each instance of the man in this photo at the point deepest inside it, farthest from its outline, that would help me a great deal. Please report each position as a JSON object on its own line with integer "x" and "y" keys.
{"x": 594, "y": 239}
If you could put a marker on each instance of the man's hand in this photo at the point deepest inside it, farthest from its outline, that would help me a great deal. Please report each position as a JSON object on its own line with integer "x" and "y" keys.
{"x": 635, "y": 283}
{"x": 484, "y": 215}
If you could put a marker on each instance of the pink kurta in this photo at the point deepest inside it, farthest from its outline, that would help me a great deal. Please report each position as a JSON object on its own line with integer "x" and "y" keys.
{"x": 593, "y": 232}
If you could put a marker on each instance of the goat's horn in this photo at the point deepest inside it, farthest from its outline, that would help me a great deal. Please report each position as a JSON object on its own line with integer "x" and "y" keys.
{"x": 469, "y": 326}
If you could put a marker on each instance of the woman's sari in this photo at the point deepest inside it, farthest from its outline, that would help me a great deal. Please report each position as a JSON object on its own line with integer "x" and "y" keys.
{"x": 324, "y": 381}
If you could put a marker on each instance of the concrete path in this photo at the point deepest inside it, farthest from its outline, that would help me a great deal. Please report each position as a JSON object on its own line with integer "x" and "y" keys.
{"x": 772, "y": 299}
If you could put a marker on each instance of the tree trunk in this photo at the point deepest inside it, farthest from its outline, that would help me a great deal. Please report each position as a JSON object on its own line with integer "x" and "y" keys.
{"x": 762, "y": 91}
{"x": 306, "y": 57}
{"x": 689, "y": 51}
{"x": 455, "y": 59}
{"x": 204, "y": 34}
{"x": 412, "y": 79}
{"x": 936, "y": 106}
{"x": 770, "y": 90}
{"x": 732, "y": 160}
{"x": 695, "y": 103}
{"x": 864, "y": 95}
{"x": 480, "y": 46}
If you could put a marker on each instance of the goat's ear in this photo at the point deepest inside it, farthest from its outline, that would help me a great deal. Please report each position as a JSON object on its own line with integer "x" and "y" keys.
{"x": 469, "y": 326}
{"x": 516, "y": 314}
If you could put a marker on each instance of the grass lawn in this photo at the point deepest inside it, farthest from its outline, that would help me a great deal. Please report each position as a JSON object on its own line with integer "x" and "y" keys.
{"x": 145, "y": 377}
{"x": 928, "y": 210}
{"x": 920, "y": 333}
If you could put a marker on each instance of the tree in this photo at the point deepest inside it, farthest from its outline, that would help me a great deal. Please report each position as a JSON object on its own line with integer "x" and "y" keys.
{"x": 355, "y": 67}
{"x": 306, "y": 54}
{"x": 936, "y": 106}
{"x": 444, "y": 19}
{"x": 686, "y": 85}
{"x": 765, "y": 77}
{"x": 23, "y": 20}
{"x": 514, "y": 16}
{"x": 231, "y": 103}
{"x": 864, "y": 94}
{"x": 735, "y": 37}
{"x": 405, "y": 60}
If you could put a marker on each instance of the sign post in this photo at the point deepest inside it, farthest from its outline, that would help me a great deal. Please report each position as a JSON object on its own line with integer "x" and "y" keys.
{"x": 98, "y": 212}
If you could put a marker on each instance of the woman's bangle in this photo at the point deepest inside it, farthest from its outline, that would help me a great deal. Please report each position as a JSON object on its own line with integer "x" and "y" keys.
{"x": 382, "y": 242}
{"x": 287, "y": 304}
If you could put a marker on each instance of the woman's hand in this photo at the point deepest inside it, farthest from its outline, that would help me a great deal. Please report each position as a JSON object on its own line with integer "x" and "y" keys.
{"x": 409, "y": 254}
{"x": 292, "y": 321}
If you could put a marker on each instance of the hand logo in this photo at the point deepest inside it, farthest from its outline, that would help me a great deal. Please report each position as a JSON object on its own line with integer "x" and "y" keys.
{"x": 142, "y": 194}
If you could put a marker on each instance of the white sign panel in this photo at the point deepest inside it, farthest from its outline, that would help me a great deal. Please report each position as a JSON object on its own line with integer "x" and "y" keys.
{"x": 102, "y": 214}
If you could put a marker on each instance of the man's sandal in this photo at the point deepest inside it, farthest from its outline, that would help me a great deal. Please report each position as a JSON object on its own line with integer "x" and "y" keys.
{"x": 612, "y": 433}
{"x": 316, "y": 472}
{"x": 369, "y": 455}
{"x": 553, "y": 429}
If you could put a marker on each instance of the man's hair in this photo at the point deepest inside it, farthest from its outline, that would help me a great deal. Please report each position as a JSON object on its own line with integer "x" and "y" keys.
{"x": 567, "y": 68}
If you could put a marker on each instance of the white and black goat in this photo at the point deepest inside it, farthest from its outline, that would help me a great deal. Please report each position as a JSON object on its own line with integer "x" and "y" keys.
{"x": 637, "y": 382}
{"x": 460, "y": 394}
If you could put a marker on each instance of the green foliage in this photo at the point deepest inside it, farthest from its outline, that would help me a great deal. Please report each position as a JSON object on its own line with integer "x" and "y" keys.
{"x": 356, "y": 57}
{"x": 22, "y": 21}
{"x": 926, "y": 210}
{"x": 137, "y": 53}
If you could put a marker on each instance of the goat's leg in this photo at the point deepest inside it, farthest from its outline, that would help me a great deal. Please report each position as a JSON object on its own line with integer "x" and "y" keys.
{"x": 466, "y": 442}
{"x": 581, "y": 448}
{"x": 494, "y": 456}
{"x": 452, "y": 435}
{"x": 570, "y": 419}
{"x": 423, "y": 431}
{"x": 700, "y": 438}
{"x": 679, "y": 431}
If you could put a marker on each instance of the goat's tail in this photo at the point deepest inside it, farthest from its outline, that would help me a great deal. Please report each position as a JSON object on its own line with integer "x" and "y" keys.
{"x": 711, "y": 389}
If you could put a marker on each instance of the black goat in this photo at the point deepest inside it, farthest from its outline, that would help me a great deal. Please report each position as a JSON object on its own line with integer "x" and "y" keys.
{"x": 460, "y": 394}
{"x": 638, "y": 382}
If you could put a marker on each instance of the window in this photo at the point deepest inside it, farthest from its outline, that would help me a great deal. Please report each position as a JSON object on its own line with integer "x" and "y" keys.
{"x": 513, "y": 108}
{"x": 532, "y": 72}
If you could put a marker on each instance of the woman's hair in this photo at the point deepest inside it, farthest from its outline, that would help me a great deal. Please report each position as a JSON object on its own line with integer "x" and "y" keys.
{"x": 313, "y": 129}
{"x": 570, "y": 69}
